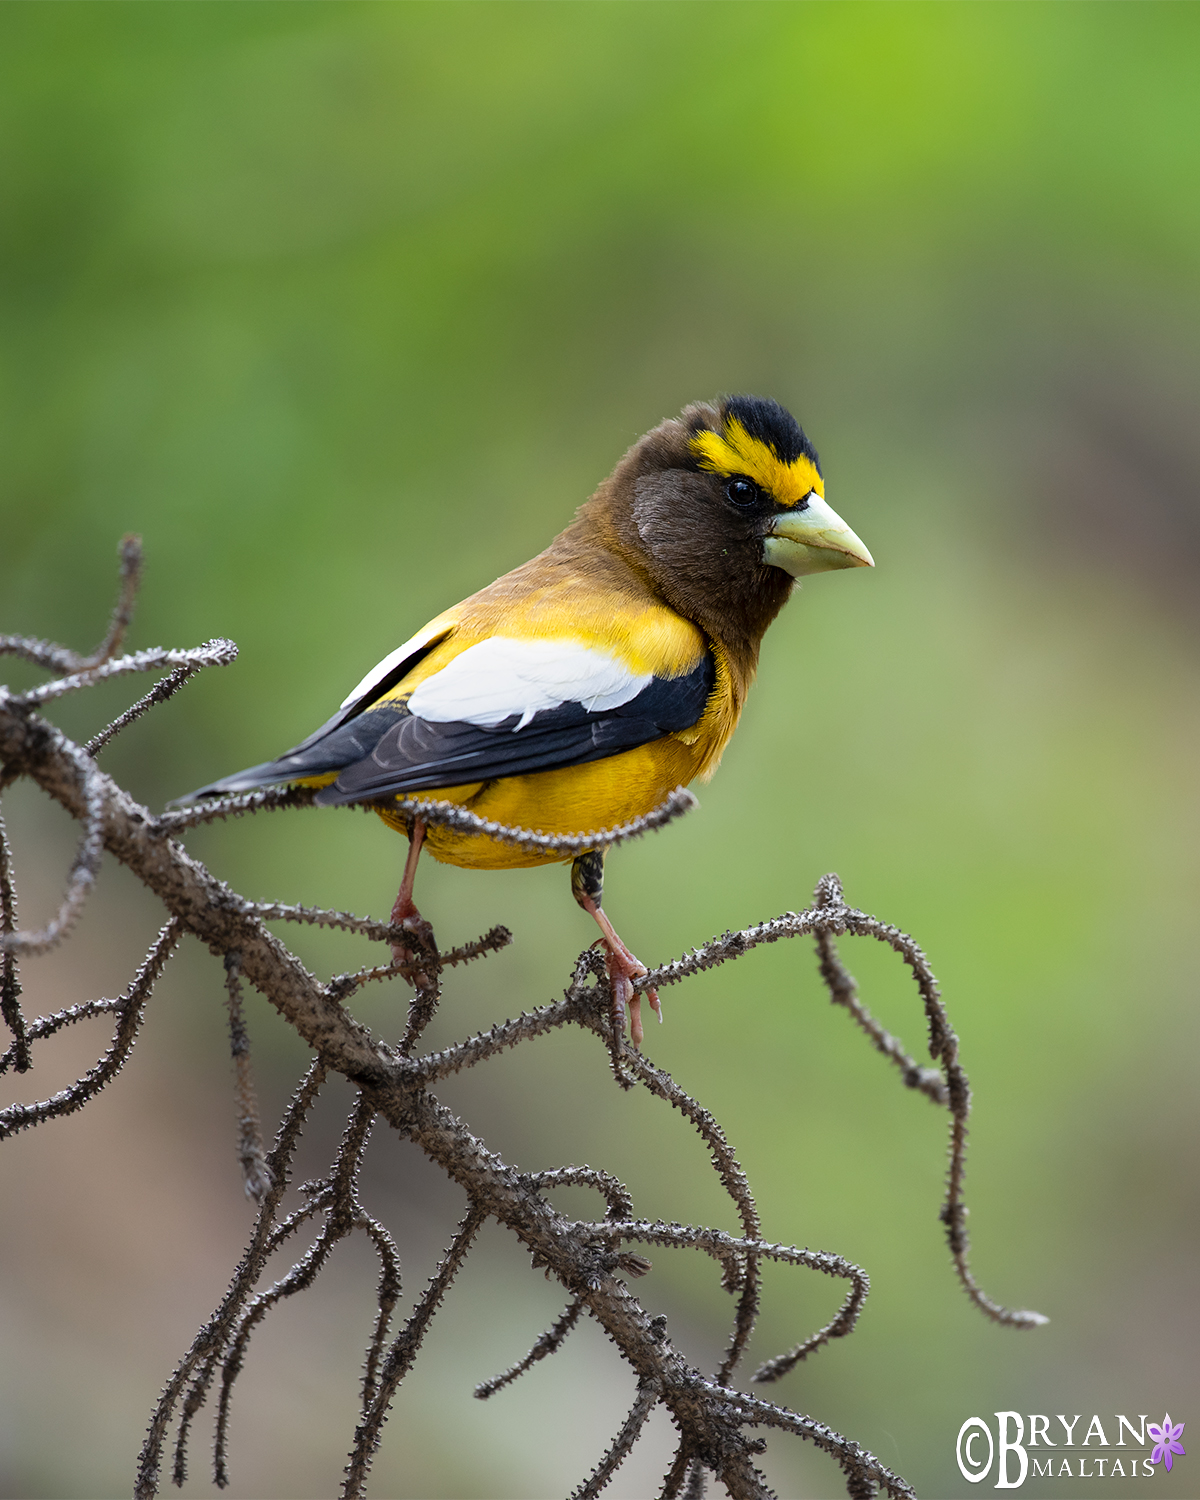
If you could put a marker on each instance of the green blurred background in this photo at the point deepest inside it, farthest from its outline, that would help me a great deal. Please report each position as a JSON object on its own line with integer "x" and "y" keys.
{"x": 345, "y": 308}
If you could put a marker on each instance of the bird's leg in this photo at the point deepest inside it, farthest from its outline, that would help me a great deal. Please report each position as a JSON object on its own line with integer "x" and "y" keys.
{"x": 404, "y": 912}
{"x": 426, "y": 982}
{"x": 587, "y": 885}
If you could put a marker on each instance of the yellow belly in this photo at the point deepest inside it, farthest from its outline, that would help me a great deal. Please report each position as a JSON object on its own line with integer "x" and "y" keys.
{"x": 576, "y": 799}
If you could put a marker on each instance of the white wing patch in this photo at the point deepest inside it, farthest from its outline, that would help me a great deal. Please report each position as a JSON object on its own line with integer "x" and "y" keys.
{"x": 377, "y": 673}
{"x": 496, "y": 678}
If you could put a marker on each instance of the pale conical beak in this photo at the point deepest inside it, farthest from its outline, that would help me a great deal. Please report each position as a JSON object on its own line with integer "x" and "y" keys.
{"x": 813, "y": 539}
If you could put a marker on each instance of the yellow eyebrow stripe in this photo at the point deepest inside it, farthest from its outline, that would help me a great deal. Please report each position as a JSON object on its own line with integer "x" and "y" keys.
{"x": 736, "y": 452}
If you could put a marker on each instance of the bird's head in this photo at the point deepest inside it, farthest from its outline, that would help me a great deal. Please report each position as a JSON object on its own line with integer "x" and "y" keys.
{"x": 726, "y": 506}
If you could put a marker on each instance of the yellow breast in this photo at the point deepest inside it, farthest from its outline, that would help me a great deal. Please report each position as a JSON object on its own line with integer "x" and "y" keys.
{"x": 583, "y": 798}
{"x": 588, "y": 598}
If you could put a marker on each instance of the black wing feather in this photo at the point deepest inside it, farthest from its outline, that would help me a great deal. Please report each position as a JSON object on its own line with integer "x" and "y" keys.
{"x": 349, "y": 735}
{"x": 412, "y": 754}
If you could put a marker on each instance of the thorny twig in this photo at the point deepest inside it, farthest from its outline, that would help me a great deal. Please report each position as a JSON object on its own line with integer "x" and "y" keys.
{"x": 827, "y": 917}
{"x": 860, "y": 1467}
{"x": 80, "y": 876}
{"x": 10, "y": 984}
{"x": 343, "y": 1213}
{"x": 844, "y": 991}
{"x": 446, "y": 815}
{"x": 403, "y": 1352}
{"x": 547, "y": 1343}
{"x": 741, "y": 1274}
{"x": 696, "y": 1482}
{"x": 387, "y": 1294}
{"x": 159, "y": 693}
{"x": 214, "y": 1335}
{"x": 344, "y": 985}
{"x": 252, "y": 1153}
{"x": 268, "y": 799}
{"x": 622, "y": 1446}
{"x": 62, "y": 659}
{"x": 728, "y": 1252}
{"x": 587, "y": 1258}
{"x": 130, "y": 1010}
{"x": 380, "y": 932}
{"x": 681, "y": 1467}
{"x": 47, "y": 1025}
{"x": 616, "y": 1194}
{"x": 214, "y": 653}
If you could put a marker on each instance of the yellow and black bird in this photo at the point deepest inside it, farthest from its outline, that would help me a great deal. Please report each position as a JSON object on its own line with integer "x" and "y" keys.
{"x": 579, "y": 690}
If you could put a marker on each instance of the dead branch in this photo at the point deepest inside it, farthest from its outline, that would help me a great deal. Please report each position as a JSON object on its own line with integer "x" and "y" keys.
{"x": 622, "y": 1446}
{"x": 130, "y": 1010}
{"x": 214, "y": 1335}
{"x": 588, "y": 1258}
{"x": 10, "y": 985}
{"x": 548, "y": 1343}
{"x": 62, "y": 659}
{"x": 47, "y": 1025}
{"x": 403, "y": 1352}
{"x": 256, "y": 1175}
{"x": 442, "y": 814}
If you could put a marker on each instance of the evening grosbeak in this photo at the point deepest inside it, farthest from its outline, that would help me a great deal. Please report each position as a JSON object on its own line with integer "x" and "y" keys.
{"x": 580, "y": 689}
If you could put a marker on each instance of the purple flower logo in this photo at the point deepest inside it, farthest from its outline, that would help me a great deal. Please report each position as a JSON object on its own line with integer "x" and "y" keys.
{"x": 1166, "y": 1440}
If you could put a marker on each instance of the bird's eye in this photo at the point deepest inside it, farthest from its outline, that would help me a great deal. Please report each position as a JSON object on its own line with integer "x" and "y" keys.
{"x": 742, "y": 491}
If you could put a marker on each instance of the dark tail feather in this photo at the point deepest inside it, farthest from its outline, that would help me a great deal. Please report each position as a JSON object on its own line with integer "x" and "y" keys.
{"x": 341, "y": 746}
{"x": 269, "y": 773}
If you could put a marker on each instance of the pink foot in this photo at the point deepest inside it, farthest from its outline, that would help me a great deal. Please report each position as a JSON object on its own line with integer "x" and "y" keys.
{"x": 406, "y": 915}
{"x": 622, "y": 969}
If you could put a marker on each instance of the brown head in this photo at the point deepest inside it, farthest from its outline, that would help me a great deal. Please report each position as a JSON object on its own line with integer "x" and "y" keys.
{"x": 722, "y": 508}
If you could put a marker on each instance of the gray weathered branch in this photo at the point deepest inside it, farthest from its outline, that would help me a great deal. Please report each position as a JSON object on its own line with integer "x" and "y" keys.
{"x": 394, "y": 1087}
{"x": 587, "y": 1258}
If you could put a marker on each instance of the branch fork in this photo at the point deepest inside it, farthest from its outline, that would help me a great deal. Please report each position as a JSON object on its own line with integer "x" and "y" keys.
{"x": 591, "y": 1260}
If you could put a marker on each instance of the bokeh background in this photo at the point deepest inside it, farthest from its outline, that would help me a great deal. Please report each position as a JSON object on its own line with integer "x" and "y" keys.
{"x": 344, "y": 308}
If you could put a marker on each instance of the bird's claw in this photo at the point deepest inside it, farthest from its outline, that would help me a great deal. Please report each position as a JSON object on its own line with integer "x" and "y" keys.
{"x": 424, "y": 945}
{"x": 623, "y": 968}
